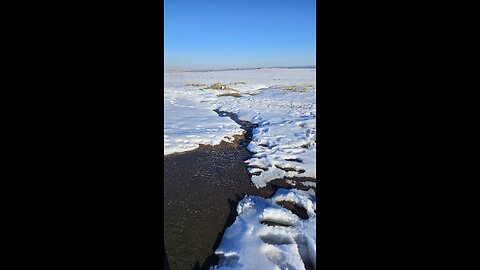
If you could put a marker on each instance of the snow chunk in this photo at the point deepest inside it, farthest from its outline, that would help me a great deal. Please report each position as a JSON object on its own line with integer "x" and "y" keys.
{"x": 267, "y": 236}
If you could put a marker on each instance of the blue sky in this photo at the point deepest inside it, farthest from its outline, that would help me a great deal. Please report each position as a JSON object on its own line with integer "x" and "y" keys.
{"x": 230, "y": 34}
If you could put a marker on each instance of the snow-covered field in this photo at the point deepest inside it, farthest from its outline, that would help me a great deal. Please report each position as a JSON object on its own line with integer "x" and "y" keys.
{"x": 265, "y": 235}
{"x": 281, "y": 101}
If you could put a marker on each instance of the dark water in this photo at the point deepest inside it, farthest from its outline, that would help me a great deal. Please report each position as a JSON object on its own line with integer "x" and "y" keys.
{"x": 201, "y": 191}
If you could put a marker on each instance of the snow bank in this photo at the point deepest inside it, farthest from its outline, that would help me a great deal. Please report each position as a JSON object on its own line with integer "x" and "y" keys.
{"x": 267, "y": 236}
{"x": 188, "y": 126}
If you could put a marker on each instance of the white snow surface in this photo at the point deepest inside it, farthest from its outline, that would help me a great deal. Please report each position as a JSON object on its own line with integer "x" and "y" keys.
{"x": 187, "y": 125}
{"x": 280, "y": 101}
{"x": 249, "y": 244}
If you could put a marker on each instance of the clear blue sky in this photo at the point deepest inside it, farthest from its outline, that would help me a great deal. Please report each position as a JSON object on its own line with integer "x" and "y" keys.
{"x": 236, "y": 33}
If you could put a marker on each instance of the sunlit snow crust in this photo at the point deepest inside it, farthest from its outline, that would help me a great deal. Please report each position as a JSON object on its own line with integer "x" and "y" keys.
{"x": 287, "y": 242}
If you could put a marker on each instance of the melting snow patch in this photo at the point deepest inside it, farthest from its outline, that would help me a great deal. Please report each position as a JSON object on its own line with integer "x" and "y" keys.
{"x": 186, "y": 127}
{"x": 267, "y": 236}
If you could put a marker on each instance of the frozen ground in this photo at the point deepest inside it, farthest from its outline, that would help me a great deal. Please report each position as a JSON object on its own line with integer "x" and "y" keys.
{"x": 266, "y": 235}
{"x": 281, "y": 101}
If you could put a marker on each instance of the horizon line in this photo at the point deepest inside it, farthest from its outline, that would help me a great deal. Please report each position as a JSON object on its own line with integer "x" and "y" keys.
{"x": 230, "y": 69}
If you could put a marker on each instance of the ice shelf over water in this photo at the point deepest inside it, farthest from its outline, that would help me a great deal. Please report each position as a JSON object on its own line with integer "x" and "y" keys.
{"x": 268, "y": 236}
{"x": 281, "y": 102}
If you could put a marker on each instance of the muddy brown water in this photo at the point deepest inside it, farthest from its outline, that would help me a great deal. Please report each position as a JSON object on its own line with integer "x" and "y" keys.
{"x": 201, "y": 192}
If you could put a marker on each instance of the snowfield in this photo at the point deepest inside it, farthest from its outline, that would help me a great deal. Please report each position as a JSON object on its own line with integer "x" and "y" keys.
{"x": 288, "y": 242}
{"x": 281, "y": 102}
